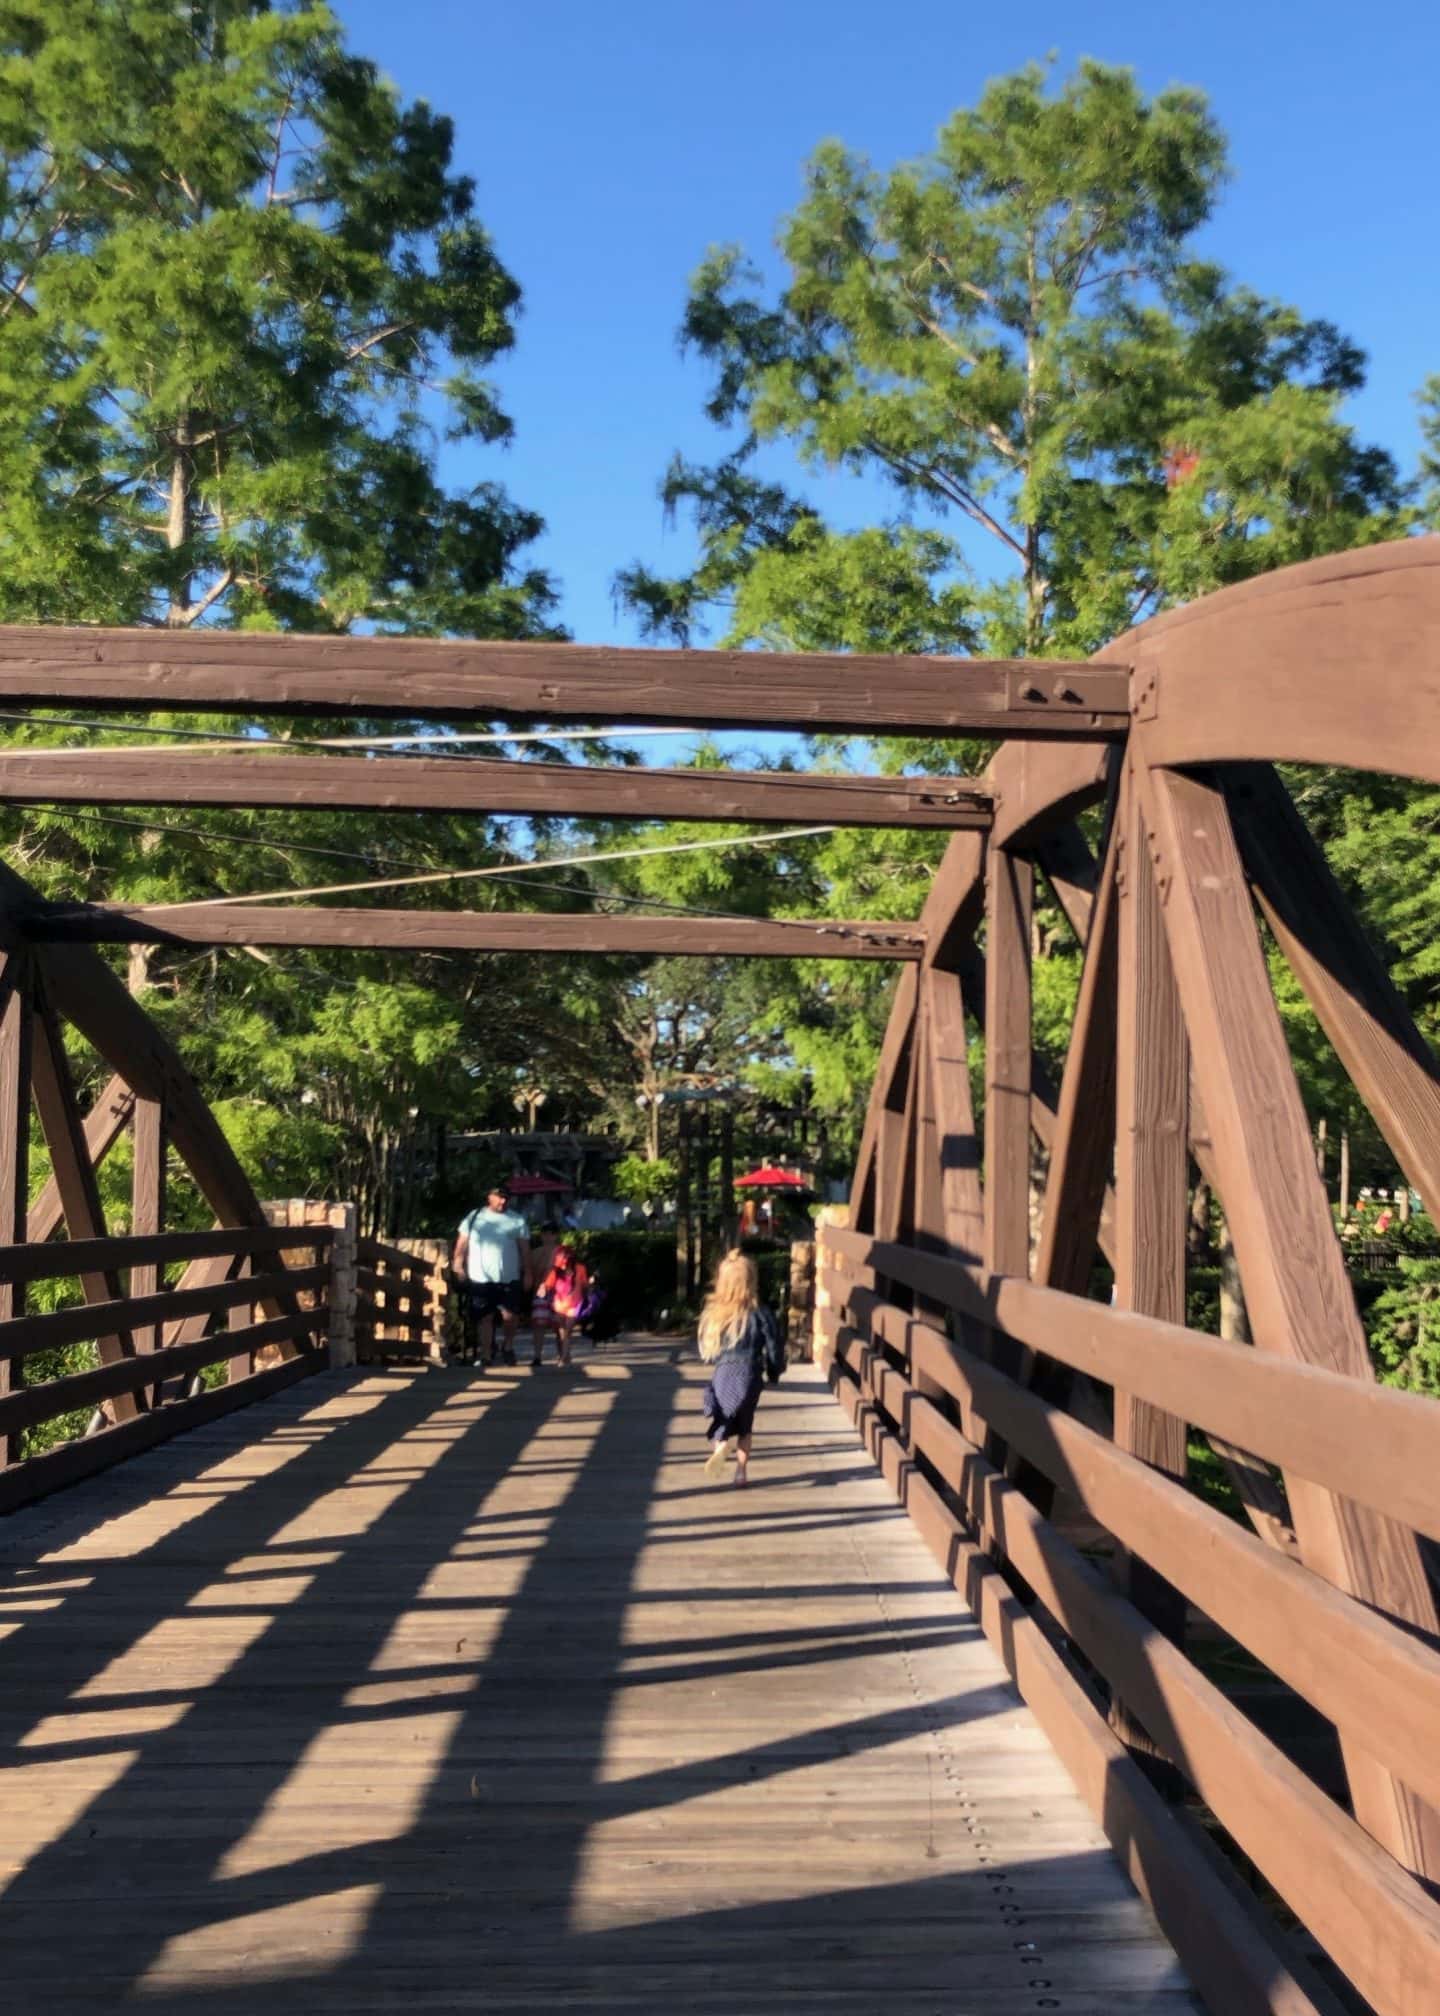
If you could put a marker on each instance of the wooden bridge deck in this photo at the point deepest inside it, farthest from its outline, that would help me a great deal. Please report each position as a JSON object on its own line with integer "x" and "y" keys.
{"x": 425, "y": 1692}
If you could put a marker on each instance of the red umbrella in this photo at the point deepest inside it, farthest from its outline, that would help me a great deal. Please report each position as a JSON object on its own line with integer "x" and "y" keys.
{"x": 533, "y": 1186}
{"x": 772, "y": 1179}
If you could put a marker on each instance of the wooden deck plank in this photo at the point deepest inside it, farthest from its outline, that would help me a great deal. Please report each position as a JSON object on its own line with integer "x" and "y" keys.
{"x": 427, "y": 1691}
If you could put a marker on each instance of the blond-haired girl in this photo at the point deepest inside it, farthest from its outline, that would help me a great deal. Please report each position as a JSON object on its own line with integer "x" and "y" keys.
{"x": 741, "y": 1339}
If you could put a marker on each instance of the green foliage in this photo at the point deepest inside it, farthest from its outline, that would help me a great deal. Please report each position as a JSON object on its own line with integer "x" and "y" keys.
{"x": 637, "y": 1181}
{"x": 1430, "y": 455}
{"x": 1405, "y": 1327}
{"x": 241, "y": 285}
{"x": 636, "y": 1270}
{"x": 1015, "y": 331}
{"x": 243, "y": 294}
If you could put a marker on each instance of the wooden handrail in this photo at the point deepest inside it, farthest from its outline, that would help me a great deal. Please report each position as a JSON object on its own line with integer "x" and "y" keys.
{"x": 82, "y": 1256}
{"x": 90, "y": 1454}
{"x": 392, "y": 1256}
{"x": 1358, "y": 1668}
{"x": 1324, "y": 1425}
{"x": 31, "y": 1405}
{"x": 1375, "y": 1919}
{"x": 22, "y": 1336}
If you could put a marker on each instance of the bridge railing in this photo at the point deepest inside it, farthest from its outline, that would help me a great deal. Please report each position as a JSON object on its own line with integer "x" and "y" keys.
{"x": 401, "y": 1298}
{"x": 248, "y": 1315}
{"x": 929, "y": 1387}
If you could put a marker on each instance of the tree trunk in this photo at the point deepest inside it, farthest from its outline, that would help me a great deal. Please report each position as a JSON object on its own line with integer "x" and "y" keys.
{"x": 727, "y": 1175}
{"x": 178, "y": 520}
{"x": 1234, "y": 1321}
{"x": 684, "y": 1242}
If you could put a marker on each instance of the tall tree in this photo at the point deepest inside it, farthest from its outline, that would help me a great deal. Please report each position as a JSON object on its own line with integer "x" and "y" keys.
{"x": 1016, "y": 333}
{"x": 241, "y": 288}
{"x": 243, "y": 296}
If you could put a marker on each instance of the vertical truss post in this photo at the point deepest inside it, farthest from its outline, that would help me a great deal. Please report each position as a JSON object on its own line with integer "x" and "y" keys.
{"x": 1009, "y": 904}
{"x": 15, "y": 1034}
{"x": 956, "y": 1145}
{"x": 1152, "y": 1165}
{"x": 1082, "y": 1145}
{"x": 147, "y": 1206}
{"x": 240, "y": 1318}
{"x": 64, "y": 1133}
{"x": 1010, "y": 892}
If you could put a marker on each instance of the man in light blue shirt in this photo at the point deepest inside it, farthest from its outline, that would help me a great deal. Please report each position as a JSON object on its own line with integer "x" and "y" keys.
{"x": 492, "y": 1259}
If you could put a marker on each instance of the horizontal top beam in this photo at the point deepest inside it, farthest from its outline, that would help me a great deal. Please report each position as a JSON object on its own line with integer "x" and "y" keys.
{"x": 261, "y": 777}
{"x": 417, "y": 676}
{"x": 571, "y": 933}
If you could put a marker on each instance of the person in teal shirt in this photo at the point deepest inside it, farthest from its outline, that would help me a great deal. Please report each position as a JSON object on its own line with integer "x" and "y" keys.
{"x": 492, "y": 1260}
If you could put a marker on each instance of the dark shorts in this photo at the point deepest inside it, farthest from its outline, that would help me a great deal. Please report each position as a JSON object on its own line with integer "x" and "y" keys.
{"x": 488, "y": 1298}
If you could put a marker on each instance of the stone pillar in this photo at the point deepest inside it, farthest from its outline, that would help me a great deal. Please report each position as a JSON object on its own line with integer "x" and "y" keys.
{"x": 822, "y": 1333}
{"x": 436, "y": 1255}
{"x": 801, "y": 1323}
{"x": 343, "y": 1260}
{"x": 340, "y": 1292}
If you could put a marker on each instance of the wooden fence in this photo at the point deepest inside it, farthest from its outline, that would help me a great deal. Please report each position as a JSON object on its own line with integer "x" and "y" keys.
{"x": 169, "y": 1357}
{"x": 402, "y": 1299}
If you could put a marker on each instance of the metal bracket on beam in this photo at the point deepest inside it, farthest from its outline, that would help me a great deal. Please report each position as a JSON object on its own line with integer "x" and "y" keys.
{"x": 1037, "y": 690}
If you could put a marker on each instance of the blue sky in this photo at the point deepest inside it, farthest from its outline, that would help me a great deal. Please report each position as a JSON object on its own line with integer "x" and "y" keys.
{"x": 612, "y": 144}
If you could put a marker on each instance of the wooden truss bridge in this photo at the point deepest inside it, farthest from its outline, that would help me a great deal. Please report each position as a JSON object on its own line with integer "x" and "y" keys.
{"x": 413, "y": 1691}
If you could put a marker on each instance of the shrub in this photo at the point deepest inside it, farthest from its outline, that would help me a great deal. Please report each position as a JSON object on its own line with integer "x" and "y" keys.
{"x": 636, "y": 1270}
{"x": 1405, "y": 1327}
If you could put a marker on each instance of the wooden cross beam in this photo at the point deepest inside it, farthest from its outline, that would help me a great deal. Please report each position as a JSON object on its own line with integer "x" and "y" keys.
{"x": 413, "y": 677}
{"x": 569, "y": 933}
{"x": 273, "y": 778}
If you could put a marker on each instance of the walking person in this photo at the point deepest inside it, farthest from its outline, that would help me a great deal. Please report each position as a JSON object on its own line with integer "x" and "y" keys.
{"x": 492, "y": 1259}
{"x": 740, "y": 1337}
{"x": 559, "y": 1300}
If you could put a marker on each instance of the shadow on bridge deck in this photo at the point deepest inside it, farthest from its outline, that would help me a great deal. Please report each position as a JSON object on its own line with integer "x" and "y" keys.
{"x": 429, "y": 1692}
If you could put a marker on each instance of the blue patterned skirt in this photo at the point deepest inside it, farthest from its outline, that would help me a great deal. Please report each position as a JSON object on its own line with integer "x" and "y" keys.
{"x": 732, "y": 1395}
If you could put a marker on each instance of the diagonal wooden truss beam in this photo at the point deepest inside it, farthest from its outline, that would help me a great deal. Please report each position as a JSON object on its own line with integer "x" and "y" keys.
{"x": 104, "y": 1124}
{"x": 15, "y": 1045}
{"x": 81, "y": 988}
{"x": 893, "y": 1052}
{"x": 1296, "y": 1287}
{"x": 1070, "y": 868}
{"x": 1345, "y": 980}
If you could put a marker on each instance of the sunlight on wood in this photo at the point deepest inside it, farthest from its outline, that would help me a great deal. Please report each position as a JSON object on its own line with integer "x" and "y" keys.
{"x": 310, "y": 1936}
